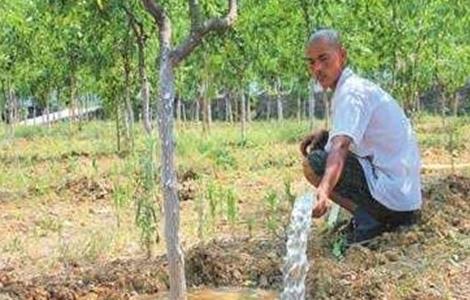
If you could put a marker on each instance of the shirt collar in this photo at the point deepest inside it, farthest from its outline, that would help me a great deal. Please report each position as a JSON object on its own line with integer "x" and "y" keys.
{"x": 347, "y": 72}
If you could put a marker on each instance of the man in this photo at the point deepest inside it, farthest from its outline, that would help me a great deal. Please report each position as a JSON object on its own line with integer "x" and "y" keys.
{"x": 369, "y": 162}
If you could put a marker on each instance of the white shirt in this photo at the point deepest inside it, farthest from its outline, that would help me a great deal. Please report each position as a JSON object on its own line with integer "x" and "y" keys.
{"x": 382, "y": 138}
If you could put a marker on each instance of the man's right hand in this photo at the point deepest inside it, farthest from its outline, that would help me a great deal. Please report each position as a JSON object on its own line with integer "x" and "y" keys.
{"x": 316, "y": 140}
{"x": 322, "y": 204}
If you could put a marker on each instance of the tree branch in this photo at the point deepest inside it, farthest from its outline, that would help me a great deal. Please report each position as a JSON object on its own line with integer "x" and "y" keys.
{"x": 195, "y": 13}
{"x": 135, "y": 25}
{"x": 157, "y": 12}
{"x": 197, "y": 33}
{"x": 162, "y": 21}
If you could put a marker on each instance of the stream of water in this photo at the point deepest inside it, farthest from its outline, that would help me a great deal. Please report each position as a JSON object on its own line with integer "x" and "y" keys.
{"x": 295, "y": 262}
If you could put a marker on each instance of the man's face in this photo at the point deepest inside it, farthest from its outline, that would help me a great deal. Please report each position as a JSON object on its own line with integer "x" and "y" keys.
{"x": 325, "y": 62}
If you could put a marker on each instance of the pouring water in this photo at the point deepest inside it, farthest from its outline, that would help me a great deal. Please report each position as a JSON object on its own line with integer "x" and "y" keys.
{"x": 295, "y": 262}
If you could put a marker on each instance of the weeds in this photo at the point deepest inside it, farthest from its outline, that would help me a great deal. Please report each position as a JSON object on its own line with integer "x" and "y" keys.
{"x": 232, "y": 206}
{"x": 272, "y": 203}
{"x": 146, "y": 216}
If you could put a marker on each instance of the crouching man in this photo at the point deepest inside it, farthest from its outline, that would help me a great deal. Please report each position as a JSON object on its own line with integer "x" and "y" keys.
{"x": 369, "y": 162}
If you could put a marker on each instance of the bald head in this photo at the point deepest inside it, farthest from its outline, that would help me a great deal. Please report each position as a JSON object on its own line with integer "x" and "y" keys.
{"x": 326, "y": 57}
{"x": 328, "y": 35}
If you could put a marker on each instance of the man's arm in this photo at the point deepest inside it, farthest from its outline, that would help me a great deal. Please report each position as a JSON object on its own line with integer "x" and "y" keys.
{"x": 334, "y": 167}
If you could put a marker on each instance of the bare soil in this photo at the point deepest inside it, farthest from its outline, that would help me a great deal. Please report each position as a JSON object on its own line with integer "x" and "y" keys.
{"x": 428, "y": 261}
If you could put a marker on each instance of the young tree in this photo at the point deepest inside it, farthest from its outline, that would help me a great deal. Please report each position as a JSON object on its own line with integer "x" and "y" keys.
{"x": 169, "y": 58}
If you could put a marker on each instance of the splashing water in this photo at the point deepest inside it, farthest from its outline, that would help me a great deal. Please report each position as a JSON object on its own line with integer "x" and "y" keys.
{"x": 295, "y": 262}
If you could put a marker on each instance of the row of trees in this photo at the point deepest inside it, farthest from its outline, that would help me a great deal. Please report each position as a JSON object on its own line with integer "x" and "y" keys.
{"x": 109, "y": 48}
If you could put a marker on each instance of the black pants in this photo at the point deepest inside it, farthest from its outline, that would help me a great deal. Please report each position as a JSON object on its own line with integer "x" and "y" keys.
{"x": 353, "y": 185}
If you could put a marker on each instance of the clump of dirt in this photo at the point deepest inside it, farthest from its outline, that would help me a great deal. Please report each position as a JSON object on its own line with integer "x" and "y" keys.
{"x": 87, "y": 189}
{"x": 116, "y": 280}
{"x": 185, "y": 175}
{"x": 187, "y": 187}
{"x": 187, "y": 190}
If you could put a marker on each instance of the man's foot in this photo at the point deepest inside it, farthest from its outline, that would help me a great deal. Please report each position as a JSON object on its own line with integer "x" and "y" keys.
{"x": 362, "y": 228}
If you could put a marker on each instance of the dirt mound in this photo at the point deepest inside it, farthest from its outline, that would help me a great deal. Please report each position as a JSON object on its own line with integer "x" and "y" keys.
{"x": 242, "y": 262}
{"x": 87, "y": 189}
{"x": 246, "y": 262}
{"x": 187, "y": 186}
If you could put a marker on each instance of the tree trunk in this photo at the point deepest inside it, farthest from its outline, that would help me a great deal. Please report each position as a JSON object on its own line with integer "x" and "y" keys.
{"x": 178, "y": 109}
{"x": 206, "y": 109}
{"x": 456, "y": 105}
{"x": 268, "y": 108}
{"x": 196, "y": 111}
{"x": 243, "y": 114}
{"x": 145, "y": 88}
{"x": 118, "y": 128}
{"x": 46, "y": 113}
{"x": 129, "y": 118}
{"x": 171, "y": 202}
{"x": 208, "y": 112}
{"x": 280, "y": 113}
{"x": 299, "y": 108}
{"x": 228, "y": 108}
{"x": 73, "y": 103}
{"x": 183, "y": 112}
{"x": 311, "y": 105}
{"x": 248, "y": 110}
{"x": 168, "y": 60}
{"x": 12, "y": 106}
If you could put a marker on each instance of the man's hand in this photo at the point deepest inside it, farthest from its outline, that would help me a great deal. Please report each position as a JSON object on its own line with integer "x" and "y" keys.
{"x": 316, "y": 140}
{"x": 322, "y": 205}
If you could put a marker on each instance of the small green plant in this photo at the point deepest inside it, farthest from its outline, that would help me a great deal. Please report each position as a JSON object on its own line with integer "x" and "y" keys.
{"x": 250, "y": 224}
{"x": 211, "y": 194}
{"x": 223, "y": 158}
{"x": 14, "y": 246}
{"x": 290, "y": 196}
{"x": 200, "y": 216}
{"x": 338, "y": 248}
{"x": 232, "y": 207}
{"x": 48, "y": 224}
{"x": 120, "y": 199}
{"x": 272, "y": 203}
